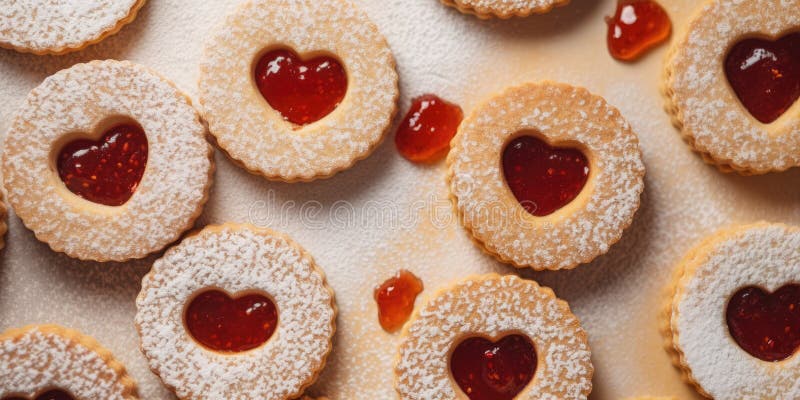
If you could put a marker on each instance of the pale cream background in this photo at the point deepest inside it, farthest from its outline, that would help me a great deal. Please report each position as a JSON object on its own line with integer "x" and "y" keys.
{"x": 618, "y": 297}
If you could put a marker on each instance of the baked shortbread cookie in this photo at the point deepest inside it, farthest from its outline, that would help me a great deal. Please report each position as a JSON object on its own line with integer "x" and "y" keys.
{"x": 51, "y": 362}
{"x": 236, "y": 312}
{"x": 485, "y": 9}
{"x": 297, "y": 90}
{"x": 107, "y": 161}
{"x": 57, "y": 26}
{"x": 494, "y": 337}
{"x": 734, "y": 314}
{"x": 732, "y": 81}
{"x": 546, "y": 175}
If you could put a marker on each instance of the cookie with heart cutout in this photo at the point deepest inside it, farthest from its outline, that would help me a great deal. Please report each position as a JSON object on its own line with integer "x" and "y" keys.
{"x": 494, "y": 337}
{"x": 732, "y": 81}
{"x": 734, "y": 313}
{"x": 58, "y": 27}
{"x": 245, "y": 304}
{"x": 107, "y": 161}
{"x": 504, "y": 9}
{"x": 49, "y": 362}
{"x": 297, "y": 90}
{"x": 546, "y": 175}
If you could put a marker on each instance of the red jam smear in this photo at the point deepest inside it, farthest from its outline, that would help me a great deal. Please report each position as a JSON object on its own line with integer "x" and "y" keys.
{"x": 493, "y": 371}
{"x": 231, "y": 325}
{"x": 636, "y": 27}
{"x": 543, "y": 178}
{"x": 303, "y": 91}
{"x": 424, "y": 134}
{"x": 766, "y": 325}
{"x": 48, "y": 395}
{"x": 106, "y": 171}
{"x": 396, "y": 298}
{"x": 765, "y": 75}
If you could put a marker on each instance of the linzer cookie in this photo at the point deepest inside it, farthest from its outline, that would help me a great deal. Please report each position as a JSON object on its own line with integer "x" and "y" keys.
{"x": 49, "y": 362}
{"x": 247, "y": 305}
{"x": 494, "y": 337}
{"x": 57, "y": 27}
{"x": 297, "y": 90}
{"x": 485, "y": 9}
{"x": 546, "y": 175}
{"x": 734, "y": 315}
{"x": 732, "y": 81}
{"x": 107, "y": 161}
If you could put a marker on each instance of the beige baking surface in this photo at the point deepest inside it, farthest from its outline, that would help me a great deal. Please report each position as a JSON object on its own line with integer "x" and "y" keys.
{"x": 618, "y": 297}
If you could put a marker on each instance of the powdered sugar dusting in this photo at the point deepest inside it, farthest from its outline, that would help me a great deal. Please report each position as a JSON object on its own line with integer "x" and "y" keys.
{"x": 253, "y": 133}
{"x": 493, "y": 306}
{"x": 237, "y": 258}
{"x": 764, "y": 255}
{"x": 171, "y": 192}
{"x": 38, "y": 359}
{"x": 52, "y": 26}
{"x": 702, "y": 101}
{"x": 582, "y": 230}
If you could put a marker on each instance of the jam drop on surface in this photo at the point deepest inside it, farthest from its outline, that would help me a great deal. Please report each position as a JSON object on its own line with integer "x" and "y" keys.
{"x": 231, "y": 325}
{"x": 424, "y": 134}
{"x": 48, "y": 395}
{"x": 303, "y": 91}
{"x": 765, "y": 75}
{"x": 395, "y": 299}
{"x": 106, "y": 171}
{"x": 493, "y": 371}
{"x": 543, "y": 178}
{"x": 637, "y": 26}
{"x": 766, "y": 325}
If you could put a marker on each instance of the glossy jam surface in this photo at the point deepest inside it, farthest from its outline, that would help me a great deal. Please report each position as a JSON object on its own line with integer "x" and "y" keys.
{"x": 766, "y": 325}
{"x": 396, "y": 298}
{"x": 765, "y": 75}
{"x": 424, "y": 134}
{"x": 543, "y": 178}
{"x": 231, "y": 325}
{"x": 303, "y": 91}
{"x": 48, "y": 395}
{"x": 493, "y": 371}
{"x": 106, "y": 171}
{"x": 637, "y": 26}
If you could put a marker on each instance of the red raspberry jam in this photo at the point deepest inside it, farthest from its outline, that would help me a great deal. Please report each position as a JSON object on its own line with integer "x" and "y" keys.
{"x": 637, "y": 26}
{"x": 396, "y": 298}
{"x": 231, "y": 325}
{"x": 486, "y": 370}
{"x": 766, "y": 325}
{"x": 424, "y": 134}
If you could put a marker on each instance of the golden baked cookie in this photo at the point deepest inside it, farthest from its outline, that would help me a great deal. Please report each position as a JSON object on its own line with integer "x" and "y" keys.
{"x": 297, "y": 90}
{"x": 50, "y": 361}
{"x": 107, "y": 161}
{"x": 546, "y": 175}
{"x": 244, "y": 305}
{"x": 493, "y": 337}
{"x": 58, "y": 27}
{"x": 732, "y": 81}
{"x": 734, "y": 315}
{"x": 504, "y": 9}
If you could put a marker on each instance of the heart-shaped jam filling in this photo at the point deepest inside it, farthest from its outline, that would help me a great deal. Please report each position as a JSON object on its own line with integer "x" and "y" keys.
{"x": 231, "y": 325}
{"x": 766, "y": 325}
{"x": 543, "y": 178}
{"x": 303, "y": 91}
{"x": 493, "y": 371}
{"x": 48, "y": 395}
{"x": 765, "y": 75}
{"x": 106, "y": 171}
